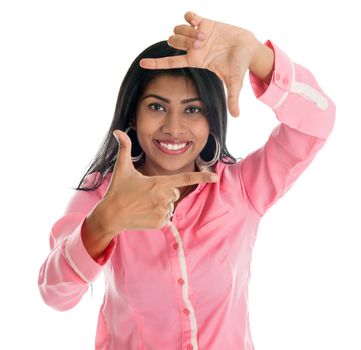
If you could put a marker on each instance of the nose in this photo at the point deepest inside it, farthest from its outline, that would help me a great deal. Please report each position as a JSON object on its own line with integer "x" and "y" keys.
{"x": 173, "y": 124}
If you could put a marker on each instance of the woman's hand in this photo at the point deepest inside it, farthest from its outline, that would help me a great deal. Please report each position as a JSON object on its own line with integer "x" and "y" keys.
{"x": 134, "y": 201}
{"x": 226, "y": 50}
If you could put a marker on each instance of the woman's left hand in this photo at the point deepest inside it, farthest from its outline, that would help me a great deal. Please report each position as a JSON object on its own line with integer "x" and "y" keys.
{"x": 226, "y": 50}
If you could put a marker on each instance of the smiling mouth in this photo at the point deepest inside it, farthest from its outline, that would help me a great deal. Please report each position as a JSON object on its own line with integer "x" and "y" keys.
{"x": 173, "y": 148}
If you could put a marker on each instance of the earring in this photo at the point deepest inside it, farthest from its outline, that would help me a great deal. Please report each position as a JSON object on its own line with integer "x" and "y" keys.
{"x": 135, "y": 145}
{"x": 203, "y": 157}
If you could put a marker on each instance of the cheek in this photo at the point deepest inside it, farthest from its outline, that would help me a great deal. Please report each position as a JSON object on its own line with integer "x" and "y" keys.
{"x": 145, "y": 127}
{"x": 203, "y": 131}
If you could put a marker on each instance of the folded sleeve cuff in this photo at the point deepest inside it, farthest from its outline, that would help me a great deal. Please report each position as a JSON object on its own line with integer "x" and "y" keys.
{"x": 295, "y": 96}
{"x": 80, "y": 260}
{"x": 271, "y": 94}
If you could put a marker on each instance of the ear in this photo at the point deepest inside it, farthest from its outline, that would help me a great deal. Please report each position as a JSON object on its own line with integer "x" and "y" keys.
{"x": 132, "y": 122}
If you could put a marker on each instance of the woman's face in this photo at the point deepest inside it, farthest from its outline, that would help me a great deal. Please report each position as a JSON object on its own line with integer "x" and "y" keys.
{"x": 171, "y": 126}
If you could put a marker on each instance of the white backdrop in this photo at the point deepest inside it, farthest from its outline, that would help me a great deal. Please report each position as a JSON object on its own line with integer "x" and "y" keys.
{"x": 62, "y": 63}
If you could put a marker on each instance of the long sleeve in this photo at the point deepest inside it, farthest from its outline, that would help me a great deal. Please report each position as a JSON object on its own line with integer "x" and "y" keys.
{"x": 68, "y": 270}
{"x": 307, "y": 117}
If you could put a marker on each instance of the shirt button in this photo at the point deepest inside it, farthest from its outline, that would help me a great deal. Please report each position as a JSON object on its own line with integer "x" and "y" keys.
{"x": 278, "y": 77}
{"x": 190, "y": 347}
{"x": 175, "y": 246}
{"x": 186, "y": 311}
{"x": 285, "y": 81}
{"x": 179, "y": 216}
{"x": 181, "y": 281}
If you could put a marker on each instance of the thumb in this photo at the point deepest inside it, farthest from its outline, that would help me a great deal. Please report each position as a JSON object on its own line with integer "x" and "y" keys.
{"x": 233, "y": 92}
{"x": 124, "y": 158}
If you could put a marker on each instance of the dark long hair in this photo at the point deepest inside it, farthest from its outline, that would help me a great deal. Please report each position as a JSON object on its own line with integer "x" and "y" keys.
{"x": 208, "y": 85}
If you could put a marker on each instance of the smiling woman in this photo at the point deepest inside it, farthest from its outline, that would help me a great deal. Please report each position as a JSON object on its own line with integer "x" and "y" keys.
{"x": 172, "y": 132}
{"x": 180, "y": 280}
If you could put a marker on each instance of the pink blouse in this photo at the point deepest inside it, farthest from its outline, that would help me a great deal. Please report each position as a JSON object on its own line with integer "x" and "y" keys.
{"x": 185, "y": 286}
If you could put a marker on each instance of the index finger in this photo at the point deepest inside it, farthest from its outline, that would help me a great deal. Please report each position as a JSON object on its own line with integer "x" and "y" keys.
{"x": 164, "y": 62}
{"x": 186, "y": 179}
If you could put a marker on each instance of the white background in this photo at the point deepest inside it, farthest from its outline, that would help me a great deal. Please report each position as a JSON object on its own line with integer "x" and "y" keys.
{"x": 62, "y": 63}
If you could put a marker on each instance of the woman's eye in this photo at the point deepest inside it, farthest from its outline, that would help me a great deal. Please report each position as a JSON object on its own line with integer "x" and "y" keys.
{"x": 194, "y": 109}
{"x": 155, "y": 106}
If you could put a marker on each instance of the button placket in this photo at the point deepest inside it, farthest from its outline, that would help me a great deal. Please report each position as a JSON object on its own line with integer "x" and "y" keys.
{"x": 189, "y": 323}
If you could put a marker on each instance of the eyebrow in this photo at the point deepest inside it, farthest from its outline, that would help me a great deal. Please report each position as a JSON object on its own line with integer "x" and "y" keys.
{"x": 168, "y": 101}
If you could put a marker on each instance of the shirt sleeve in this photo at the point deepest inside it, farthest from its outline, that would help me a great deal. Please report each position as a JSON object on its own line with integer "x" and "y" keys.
{"x": 306, "y": 116}
{"x": 68, "y": 270}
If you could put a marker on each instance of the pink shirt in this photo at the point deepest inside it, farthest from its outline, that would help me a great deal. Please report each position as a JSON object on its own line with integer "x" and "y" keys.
{"x": 185, "y": 286}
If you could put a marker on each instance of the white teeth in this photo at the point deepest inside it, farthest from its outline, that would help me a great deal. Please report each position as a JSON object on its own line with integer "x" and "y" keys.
{"x": 173, "y": 147}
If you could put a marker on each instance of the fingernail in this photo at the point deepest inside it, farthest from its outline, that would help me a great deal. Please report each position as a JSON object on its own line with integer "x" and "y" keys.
{"x": 201, "y": 36}
{"x": 197, "y": 44}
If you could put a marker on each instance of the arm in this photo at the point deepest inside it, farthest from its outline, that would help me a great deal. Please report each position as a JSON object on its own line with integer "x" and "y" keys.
{"x": 69, "y": 268}
{"x": 306, "y": 113}
{"x": 307, "y": 117}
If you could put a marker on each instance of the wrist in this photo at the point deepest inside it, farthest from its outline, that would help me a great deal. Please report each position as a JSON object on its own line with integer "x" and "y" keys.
{"x": 96, "y": 222}
{"x": 262, "y": 63}
{"x": 94, "y": 241}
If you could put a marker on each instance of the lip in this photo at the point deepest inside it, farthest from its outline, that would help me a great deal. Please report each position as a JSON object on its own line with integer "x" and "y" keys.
{"x": 173, "y": 142}
{"x": 175, "y": 152}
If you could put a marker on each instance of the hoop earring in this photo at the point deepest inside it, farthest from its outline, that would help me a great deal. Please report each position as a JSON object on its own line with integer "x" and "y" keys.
{"x": 203, "y": 161}
{"x": 135, "y": 145}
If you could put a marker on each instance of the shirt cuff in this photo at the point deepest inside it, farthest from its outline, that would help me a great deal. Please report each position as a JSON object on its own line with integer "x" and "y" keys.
{"x": 272, "y": 93}
{"x": 107, "y": 252}
{"x": 295, "y": 96}
{"x": 80, "y": 260}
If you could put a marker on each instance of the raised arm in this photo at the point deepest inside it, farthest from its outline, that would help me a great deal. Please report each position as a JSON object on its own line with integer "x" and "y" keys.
{"x": 306, "y": 113}
{"x": 307, "y": 117}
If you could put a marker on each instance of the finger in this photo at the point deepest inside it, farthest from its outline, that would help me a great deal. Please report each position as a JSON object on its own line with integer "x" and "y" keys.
{"x": 187, "y": 179}
{"x": 192, "y": 18}
{"x": 181, "y": 42}
{"x": 233, "y": 92}
{"x": 189, "y": 32}
{"x": 124, "y": 156}
{"x": 234, "y": 85}
{"x": 164, "y": 62}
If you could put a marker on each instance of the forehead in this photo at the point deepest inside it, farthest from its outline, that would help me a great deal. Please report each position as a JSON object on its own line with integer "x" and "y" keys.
{"x": 169, "y": 84}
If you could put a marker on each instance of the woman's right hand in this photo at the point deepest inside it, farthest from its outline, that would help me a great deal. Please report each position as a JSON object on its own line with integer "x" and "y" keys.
{"x": 134, "y": 201}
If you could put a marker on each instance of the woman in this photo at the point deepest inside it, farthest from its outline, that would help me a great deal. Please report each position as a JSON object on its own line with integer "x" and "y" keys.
{"x": 174, "y": 242}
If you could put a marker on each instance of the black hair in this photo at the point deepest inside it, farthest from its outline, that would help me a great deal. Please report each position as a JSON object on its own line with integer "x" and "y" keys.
{"x": 208, "y": 85}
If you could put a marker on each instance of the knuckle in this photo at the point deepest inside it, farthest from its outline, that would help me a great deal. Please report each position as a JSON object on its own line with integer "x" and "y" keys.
{"x": 170, "y": 39}
{"x": 188, "y": 178}
{"x": 163, "y": 207}
{"x": 206, "y": 178}
{"x": 163, "y": 200}
{"x": 160, "y": 220}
